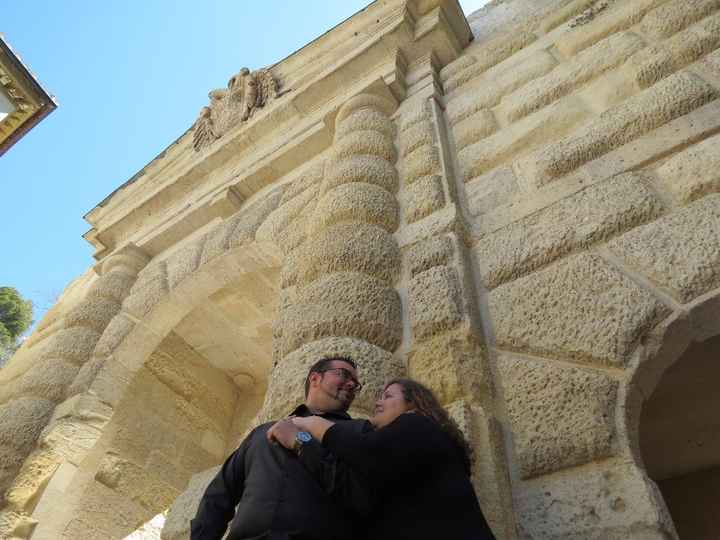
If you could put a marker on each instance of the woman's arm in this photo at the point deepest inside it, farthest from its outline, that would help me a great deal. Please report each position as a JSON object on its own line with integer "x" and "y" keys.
{"x": 315, "y": 425}
{"x": 411, "y": 441}
{"x": 336, "y": 477}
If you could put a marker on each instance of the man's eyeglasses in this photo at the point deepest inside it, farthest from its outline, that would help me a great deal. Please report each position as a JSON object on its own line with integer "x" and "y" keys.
{"x": 346, "y": 376}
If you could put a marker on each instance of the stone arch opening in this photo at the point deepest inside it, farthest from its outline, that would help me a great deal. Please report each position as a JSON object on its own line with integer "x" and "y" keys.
{"x": 180, "y": 388}
{"x": 680, "y": 439}
{"x": 668, "y": 425}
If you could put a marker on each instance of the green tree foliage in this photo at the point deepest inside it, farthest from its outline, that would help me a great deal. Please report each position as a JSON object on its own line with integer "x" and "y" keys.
{"x": 15, "y": 311}
{"x": 15, "y": 318}
{"x": 5, "y": 337}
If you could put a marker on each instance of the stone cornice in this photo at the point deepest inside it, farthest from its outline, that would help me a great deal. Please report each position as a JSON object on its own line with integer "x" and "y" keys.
{"x": 30, "y": 101}
{"x": 183, "y": 189}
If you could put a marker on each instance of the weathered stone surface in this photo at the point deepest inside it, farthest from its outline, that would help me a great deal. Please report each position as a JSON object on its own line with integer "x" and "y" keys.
{"x": 155, "y": 270}
{"x": 412, "y": 112}
{"x": 105, "y": 513}
{"x": 693, "y": 173}
{"x": 240, "y": 228}
{"x": 487, "y": 90}
{"x": 522, "y": 136}
{"x": 184, "y": 508}
{"x": 456, "y": 66}
{"x": 418, "y": 134}
{"x": 609, "y": 501}
{"x": 672, "y": 97}
{"x": 344, "y": 304}
{"x": 214, "y": 396}
{"x": 358, "y": 201}
{"x": 42, "y": 467}
{"x": 138, "y": 484}
{"x": 11, "y": 459}
{"x": 654, "y": 63}
{"x": 452, "y": 364}
{"x": 672, "y": 17}
{"x": 556, "y": 18}
{"x": 274, "y": 228}
{"x": 423, "y": 197}
{"x": 21, "y": 421}
{"x": 487, "y": 56}
{"x": 492, "y": 189}
{"x": 350, "y": 247}
{"x": 15, "y": 525}
{"x": 474, "y": 128}
{"x": 435, "y": 301}
{"x": 592, "y": 215}
{"x": 462, "y": 106}
{"x": 149, "y": 289}
{"x": 484, "y": 434}
{"x": 561, "y": 416}
{"x": 296, "y": 234}
{"x": 596, "y": 60}
{"x": 47, "y": 379}
{"x": 620, "y": 16}
{"x": 86, "y": 375}
{"x": 578, "y": 309}
{"x": 93, "y": 312}
{"x": 375, "y": 367}
{"x": 184, "y": 261}
{"x": 511, "y": 99}
{"x": 367, "y": 102}
{"x": 170, "y": 472}
{"x": 309, "y": 178}
{"x": 435, "y": 251}
{"x": 74, "y": 344}
{"x": 423, "y": 161}
{"x": 366, "y": 143}
{"x": 113, "y": 335}
{"x": 369, "y": 169}
{"x": 114, "y": 285}
{"x": 680, "y": 252}
{"x": 365, "y": 120}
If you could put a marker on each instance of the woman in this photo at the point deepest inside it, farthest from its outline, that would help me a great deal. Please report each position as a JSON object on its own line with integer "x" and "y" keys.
{"x": 417, "y": 462}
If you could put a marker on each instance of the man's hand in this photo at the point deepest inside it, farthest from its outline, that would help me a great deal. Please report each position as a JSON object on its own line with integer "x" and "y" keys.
{"x": 315, "y": 425}
{"x": 283, "y": 432}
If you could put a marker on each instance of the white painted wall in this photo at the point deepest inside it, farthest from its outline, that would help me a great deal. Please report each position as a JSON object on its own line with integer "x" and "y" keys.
{"x": 6, "y": 107}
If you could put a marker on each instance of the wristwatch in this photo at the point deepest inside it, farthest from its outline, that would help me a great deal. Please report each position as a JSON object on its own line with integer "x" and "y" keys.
{"x": 301, "y": 438}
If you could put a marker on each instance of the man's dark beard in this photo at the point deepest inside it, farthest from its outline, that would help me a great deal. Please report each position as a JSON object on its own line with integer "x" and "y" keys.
{"x": 336, "y": 396}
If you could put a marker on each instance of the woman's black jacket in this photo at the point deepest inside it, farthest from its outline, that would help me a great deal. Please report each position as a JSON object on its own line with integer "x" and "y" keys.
{"x": 419, "y": 477}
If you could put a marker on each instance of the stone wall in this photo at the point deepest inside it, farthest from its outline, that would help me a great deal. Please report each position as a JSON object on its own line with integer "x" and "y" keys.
{"x": 527, "y": 223}
{"x": 583, "y": 139}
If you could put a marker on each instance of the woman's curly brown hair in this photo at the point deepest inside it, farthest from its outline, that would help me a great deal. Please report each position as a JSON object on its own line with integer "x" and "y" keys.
{"x": 425, "y": 403}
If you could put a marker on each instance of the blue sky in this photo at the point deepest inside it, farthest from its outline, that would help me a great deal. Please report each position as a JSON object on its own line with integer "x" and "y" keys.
{"x": 130, "y": 77}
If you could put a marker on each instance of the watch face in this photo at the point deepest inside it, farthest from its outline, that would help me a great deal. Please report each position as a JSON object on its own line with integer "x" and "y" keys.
{"x": 303, "y": 436}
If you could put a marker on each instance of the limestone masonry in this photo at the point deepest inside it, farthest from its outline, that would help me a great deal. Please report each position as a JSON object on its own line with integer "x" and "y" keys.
{"x": 526, "y": 220}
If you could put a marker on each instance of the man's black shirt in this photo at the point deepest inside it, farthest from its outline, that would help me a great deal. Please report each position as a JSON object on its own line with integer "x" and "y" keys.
{"x": 280, "y": 495}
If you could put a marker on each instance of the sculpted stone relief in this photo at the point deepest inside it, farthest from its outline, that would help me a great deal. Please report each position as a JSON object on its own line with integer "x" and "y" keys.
{"x": 246, "y": 91}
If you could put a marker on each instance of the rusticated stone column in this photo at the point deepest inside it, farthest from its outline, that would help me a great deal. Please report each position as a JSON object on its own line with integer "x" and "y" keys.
{"x": 339, "y": 295}
{"x": 28, "y": 401}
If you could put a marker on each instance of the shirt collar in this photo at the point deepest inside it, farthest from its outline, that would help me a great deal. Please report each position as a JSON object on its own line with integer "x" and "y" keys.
{"x": 302, "y": 410}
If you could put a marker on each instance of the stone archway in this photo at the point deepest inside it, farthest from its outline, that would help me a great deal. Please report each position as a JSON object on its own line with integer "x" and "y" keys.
{"x": 161, "y": 405}
{"x": 680, "y": 439}
{"x": 668, "y": 408}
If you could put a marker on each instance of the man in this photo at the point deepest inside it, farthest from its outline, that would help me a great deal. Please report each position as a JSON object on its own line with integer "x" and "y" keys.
{"x": 279, "y": 496}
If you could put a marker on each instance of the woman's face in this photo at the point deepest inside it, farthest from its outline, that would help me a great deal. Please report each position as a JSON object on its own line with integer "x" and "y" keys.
{"x": 389, "y": 406}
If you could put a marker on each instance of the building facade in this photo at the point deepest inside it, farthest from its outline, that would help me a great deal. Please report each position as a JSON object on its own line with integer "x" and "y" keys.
{"x": 23, "y": 101}
{"x": 519, "y": 208}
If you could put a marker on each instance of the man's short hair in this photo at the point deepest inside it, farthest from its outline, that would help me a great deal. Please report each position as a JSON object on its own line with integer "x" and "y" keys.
{"x": 321, "y": 365}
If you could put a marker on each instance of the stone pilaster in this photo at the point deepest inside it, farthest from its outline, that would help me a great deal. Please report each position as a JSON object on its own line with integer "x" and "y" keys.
{"x": 340, "y": 298}
{"x": 30, "y": 402}
{"x": 446, "y": 347}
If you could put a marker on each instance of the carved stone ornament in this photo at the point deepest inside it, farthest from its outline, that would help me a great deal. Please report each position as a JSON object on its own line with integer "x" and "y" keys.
{"x": 246, "y": 92}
